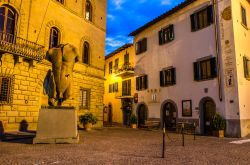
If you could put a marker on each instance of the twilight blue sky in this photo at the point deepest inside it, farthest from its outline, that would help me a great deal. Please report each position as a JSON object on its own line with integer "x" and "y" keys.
{"x": 124, "y": 16}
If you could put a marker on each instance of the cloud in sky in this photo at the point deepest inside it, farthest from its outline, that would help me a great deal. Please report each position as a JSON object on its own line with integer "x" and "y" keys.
{"x": 124, "y": 16}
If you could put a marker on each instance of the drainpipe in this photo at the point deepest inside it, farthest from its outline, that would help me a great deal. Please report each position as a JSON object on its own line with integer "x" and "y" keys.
{"x": 217, "y": 46}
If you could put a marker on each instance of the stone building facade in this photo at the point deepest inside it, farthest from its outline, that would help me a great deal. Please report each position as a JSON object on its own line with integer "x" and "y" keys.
{"x": 28, "y": 29}
{"x": 119, "y": 85}
{"x": 194, "y": 60}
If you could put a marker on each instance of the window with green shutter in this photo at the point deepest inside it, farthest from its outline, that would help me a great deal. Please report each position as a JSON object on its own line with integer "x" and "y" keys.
{"x": 205, "y": 69}
{"x": 168, "y": 77}
{"x": 202, "y": 18}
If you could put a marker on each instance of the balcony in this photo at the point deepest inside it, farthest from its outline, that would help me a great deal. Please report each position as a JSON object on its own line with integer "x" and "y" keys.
{"x": 123, "y": 95}
{"x": 18, "y": 46}
{"x": 127, "y": 70}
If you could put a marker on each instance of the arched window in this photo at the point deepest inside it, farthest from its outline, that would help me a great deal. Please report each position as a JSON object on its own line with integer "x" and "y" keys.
{"x": 88, "y": 11}
{"x": 54, "y": 37}
{"x": 86, "y": 53}
{"x": 8, "y": 18}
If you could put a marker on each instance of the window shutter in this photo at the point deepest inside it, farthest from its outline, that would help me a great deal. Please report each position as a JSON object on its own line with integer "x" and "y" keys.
{"x": 137, "y": 83}
{"x": 173, "y": 75}
{"x": 160, "y": 37}
{"x": 213, "y": 65}
{"x": 123, "y": 87}
{"x": 196, "y": 71}
{"x": 144, "y": 43}
{"x": 146, "y": 82}
{"x": 109, "y": 88}
{"x": 137, "y": 48}
{"x": 129, "y": 87}
{"x": 161, "y": 78}
{"x": 171, "y": 32}
{"x": 246, "y": 74}
{"x": 210, "y": 18}
{"x": 193, "y": 24}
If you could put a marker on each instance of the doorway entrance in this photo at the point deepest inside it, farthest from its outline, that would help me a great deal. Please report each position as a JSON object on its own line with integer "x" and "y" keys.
{"x": 208, "y": 110}
{"x": 110, "y": 114}
{"x": 142, "y": 115}
{"x": 169, "y": 116}
{"x": 126, "y": 110}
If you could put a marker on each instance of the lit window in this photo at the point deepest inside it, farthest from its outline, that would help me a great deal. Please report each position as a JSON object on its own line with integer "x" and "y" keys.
{"x": 126, "y": 88}
{"x": 54, "y": 37}
{"x": 110, "y": 67}
{"x": 86, "y": 53}
{"x": 84, "y": 98}
{"x": 88, "y": 12}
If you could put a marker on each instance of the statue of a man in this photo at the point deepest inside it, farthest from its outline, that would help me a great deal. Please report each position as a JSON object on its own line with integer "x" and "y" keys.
{"x": 63, "y": 59}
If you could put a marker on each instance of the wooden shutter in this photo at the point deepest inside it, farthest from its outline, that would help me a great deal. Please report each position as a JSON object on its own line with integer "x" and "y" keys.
{"x": 144, "y": 45}
{"x": 213, "y": 66}
{"x": 137, "y": 83}
{"x": 161, "y": 37}
{"x": 193, "y": 22}
{"x": 137, "y": 48}
{"x": 146, "y": 82}
{"x": 173, "y": 75}
{"x": 171, "y": 33}
{"x": 196, "y": 71}
{"x": 210, "y": 13}
{"x": 246, "y": 73}
{"x": 129, "y": 87}
{"x": 162, "y": 79}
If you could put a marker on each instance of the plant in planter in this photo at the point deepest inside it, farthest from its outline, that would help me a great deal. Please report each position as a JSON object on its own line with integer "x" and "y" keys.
{"x": 133, "y": 121}
{"x": 87, "y": 120}
{"x": 218, "y": 125}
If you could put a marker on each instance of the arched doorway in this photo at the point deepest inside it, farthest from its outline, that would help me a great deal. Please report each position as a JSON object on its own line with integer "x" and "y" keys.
{"x": 207, "y": 111}
{"x": 169, "y": 115}
{"x": 110, "y": 114}
{"x": 142, "y": 115}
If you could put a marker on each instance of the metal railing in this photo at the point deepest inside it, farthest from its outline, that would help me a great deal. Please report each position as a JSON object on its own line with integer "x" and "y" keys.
{"x": 12, "y": 44}
{"x": 124, "y": 67}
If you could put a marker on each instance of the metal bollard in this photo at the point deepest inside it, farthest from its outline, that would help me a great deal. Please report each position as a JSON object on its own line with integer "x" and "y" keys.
{"x": 182, "y": 132}
{"x": 163, "y": 140}
{"x": 194, "y": 130}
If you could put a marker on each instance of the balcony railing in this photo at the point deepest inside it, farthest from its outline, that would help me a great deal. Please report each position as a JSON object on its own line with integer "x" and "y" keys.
{"x": 125, "y": 70}
{"x": 10, "y": 43}
{"x": 123, "y": 94}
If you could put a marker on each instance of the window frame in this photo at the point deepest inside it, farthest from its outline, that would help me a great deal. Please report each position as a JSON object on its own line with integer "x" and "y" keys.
{"x": 54, "y": 29}
{"x": 197, "y": 66}
{"x": 110, "y": 67}
{"x": 81, "y": 98}
{"x": 142, "y": 82}
{"x": 246, "y": 67}
{"x": 166, "y": 31}
{"x": 163, "y": 77}
{"x": 86, "y": 45}
{"x": 194, "y": 18}
{"x": 9, "y": 97}
{"x": 126, "y": 87}
{"x": 141, "y": 46}
{"x": 90, "y": 10}
{"x": 243, "y": 17}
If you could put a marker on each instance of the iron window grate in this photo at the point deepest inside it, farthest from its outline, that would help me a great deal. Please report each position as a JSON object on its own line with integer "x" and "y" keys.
{"x": 6, "y": 89}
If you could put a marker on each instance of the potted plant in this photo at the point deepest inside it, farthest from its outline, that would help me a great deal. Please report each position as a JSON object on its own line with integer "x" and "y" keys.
{"x": 218, "y": 125}
{"x": 87, "y": 120}
{"x": 133, "y": 121}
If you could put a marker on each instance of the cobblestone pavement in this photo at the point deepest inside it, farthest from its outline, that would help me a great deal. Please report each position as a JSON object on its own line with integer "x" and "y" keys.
{"x": 126, "y": 146}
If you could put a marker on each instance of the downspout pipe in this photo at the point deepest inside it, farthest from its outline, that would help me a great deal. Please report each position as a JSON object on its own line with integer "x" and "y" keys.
{"x": 217, "y": 43}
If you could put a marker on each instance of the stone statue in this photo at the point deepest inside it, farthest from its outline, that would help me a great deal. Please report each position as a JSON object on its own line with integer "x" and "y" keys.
{"x": 63, "y": 58}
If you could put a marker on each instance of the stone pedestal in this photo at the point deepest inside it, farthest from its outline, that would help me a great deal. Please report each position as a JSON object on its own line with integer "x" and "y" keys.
{"x": 57, "y": 125}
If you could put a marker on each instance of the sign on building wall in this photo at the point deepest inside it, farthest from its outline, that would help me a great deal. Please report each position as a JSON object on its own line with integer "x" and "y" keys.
{"x": 229, "y": 77}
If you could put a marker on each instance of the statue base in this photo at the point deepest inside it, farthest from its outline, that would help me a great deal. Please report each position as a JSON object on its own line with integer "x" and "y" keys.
{"x": 57, "y": 125}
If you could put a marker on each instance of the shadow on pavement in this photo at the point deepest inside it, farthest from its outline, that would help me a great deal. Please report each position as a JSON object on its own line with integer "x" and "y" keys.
{"x": 18, "y": 137}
